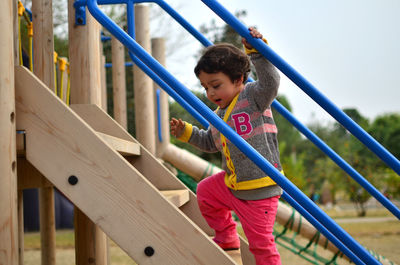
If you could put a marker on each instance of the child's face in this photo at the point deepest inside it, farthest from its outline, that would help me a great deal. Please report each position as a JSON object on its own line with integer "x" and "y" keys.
{"x": 219, "y": 88}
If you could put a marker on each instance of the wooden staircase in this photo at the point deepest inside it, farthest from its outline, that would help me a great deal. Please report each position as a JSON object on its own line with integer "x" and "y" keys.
{"x": 113, "y": 179}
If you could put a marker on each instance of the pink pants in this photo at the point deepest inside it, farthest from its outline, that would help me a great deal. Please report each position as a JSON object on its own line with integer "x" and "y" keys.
{"x": 257, "y": 218}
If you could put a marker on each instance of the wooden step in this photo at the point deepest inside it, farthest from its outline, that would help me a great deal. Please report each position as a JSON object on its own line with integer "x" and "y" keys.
{"x": 177, "y": 197}
{"x": 235, "y": 255}
{"x": 20, "y": 142}
{"x": 124, "y": 147}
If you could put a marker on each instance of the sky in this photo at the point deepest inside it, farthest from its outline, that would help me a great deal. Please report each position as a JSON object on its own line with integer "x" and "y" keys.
{"x": 348, "y": 49}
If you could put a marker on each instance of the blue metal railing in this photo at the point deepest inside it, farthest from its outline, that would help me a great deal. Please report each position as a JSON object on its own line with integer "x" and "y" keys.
{"x": 260, "y": 161}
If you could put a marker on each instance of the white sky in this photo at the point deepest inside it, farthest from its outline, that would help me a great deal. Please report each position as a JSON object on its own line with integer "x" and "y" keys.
{"x": 348, "y": 49}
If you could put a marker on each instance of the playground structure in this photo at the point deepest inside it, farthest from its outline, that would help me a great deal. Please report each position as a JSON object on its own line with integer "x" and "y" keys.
{"x": 117, "y": 182}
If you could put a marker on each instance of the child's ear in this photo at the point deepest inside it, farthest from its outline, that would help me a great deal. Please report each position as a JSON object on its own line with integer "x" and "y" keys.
{"x": 239, "y": 81}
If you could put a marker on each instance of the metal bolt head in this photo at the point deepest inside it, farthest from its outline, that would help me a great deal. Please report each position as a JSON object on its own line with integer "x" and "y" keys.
{"x": 73, "y": 180}
{"x": 149, "y": 251}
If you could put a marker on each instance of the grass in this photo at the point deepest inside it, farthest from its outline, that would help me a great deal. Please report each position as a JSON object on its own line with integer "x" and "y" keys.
{"x": 382, "y": 237}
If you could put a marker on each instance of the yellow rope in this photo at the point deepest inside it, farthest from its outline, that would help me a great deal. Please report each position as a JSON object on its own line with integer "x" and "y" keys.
{"x": 21, "y": 10}
{"x": 30, "y": 36}
{"x": 62, "y": 65}
{"x": 55, "y": 72}
{"x": 68, "y": 85}
{"x": 19, "y": 41}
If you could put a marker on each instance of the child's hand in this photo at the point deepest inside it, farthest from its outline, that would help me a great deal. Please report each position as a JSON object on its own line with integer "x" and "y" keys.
{"x": 253, "y": 32}
{"x": 177, "y": 127}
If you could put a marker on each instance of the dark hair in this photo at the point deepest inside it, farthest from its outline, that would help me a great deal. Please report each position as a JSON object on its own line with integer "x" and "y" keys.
{"x": 224, "y": 58}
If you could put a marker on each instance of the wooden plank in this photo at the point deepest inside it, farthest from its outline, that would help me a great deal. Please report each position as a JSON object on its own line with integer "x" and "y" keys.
{"x": 126, "y": 148}
{"x": 143, "y": 85}
{"x": 29, "y": 177}
{"x": 8, "y": 179}
{"x": 119, "y": 82}
{"x": 151, "y": 167}
{"x": 85, "y": 82}
{"x": 20, "y": 141}
{"x": 110, "y": 191}
{"x": 177, "y": 197}
{"x": 43, "y": 49}
{"x": 158, "y": 52}
{"x": 235, "y": 255}
{"x": 146, "y": 163}
{"x": 247, "y": 256}
{"x": 21, "y": 234}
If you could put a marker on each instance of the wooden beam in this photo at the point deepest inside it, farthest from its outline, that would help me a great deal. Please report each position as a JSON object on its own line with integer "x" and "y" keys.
{"x": 110, "y": 191}
{"x": 143, "y": 86}
{"x": 43, "y": 49}
{"x": 119, "y": 82}
{"x": 125, "y": 148}
{"x": 158, "y": 52}
{"x": 150, "y": 167}
{"x": 146, "y": 163}
{"x": 85, "y": 79}
{"x": 29, "y": 177}
{"x": 8, "y": 157}
{"x": 177, "y": 197}
{"x": 20, "y": 141}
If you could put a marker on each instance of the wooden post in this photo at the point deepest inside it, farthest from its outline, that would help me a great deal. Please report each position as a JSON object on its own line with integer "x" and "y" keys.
{"x": 8, "y": 167}
{"x": 158, "y": 51}
{"x": 43, "y": 48}
{"x": 189, "y": 163}
{"x": 85, "y": 80}
{"x": 103, "y": 83}
{"x": 119, "y": 82}
{"x": 143, "y": 87}
{"x": 21, "y": 227}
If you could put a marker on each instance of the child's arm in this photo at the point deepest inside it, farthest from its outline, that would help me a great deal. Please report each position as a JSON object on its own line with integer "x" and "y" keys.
{"x": 265, "y": 89}
{"x": 186, "y": 132}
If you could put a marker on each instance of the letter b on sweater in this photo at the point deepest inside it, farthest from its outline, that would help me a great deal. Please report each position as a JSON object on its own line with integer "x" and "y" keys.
{"x": 242, "y": 123}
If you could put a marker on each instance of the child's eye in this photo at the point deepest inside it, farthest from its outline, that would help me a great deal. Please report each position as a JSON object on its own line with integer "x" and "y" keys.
{"x": 216, "y": 86}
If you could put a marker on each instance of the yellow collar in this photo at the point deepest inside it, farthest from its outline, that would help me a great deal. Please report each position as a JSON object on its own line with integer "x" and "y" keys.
{"x": 230, "y": 107}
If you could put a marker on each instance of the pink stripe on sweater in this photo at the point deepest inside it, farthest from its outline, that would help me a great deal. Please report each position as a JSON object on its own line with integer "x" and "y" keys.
{"x": 265, "y": 128}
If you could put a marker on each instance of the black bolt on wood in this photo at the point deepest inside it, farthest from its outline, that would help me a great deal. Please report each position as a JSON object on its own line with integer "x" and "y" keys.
{"x": 72, "y": 180}
{"x": 149, "y": 251}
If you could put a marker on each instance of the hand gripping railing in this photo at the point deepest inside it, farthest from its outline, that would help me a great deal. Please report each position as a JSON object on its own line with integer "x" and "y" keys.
{"x": 359, "y": 255}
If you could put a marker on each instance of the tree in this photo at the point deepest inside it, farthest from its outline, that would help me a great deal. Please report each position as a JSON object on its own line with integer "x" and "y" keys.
{"x": 386, "y": 130}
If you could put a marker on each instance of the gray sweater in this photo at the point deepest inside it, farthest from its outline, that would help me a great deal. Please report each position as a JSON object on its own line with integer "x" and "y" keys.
{"x": 251, "y": 118}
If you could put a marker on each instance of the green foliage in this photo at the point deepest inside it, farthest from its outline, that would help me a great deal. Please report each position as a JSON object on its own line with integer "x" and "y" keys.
{"x": 386, "y": 130}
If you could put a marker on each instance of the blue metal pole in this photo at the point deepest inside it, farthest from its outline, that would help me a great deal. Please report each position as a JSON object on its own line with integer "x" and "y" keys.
{"x": 130, "y": 16}
{"x": 306, "y": 86}
{"x": 109, "y": 65}
{"x": 242, "y": 145}
{"x": 321, "y": 228}
{"x": 183, "y": 22}
{"x": 337, "y": 159}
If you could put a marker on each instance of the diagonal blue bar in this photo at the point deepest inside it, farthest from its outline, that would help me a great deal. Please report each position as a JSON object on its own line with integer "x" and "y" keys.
{"x": 321, "y": 228}
{"x": 338, "y": 160}
{"x": 253, "y": 155}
